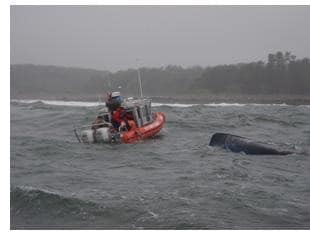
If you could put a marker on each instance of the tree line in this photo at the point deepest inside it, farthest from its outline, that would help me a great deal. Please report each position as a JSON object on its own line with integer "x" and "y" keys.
{"x": 282, "y": 73}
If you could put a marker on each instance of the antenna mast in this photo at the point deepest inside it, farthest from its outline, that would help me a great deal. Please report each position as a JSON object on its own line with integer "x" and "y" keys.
{"x": 139, "y": 78}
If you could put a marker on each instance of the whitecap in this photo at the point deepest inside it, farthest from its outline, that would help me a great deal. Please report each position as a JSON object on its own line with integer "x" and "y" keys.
{"x": 61, "y": 102}
{"x": 179, "y": 105}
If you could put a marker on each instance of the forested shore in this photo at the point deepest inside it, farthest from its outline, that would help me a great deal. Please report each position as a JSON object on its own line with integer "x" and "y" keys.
{"x": 282, "y": 78}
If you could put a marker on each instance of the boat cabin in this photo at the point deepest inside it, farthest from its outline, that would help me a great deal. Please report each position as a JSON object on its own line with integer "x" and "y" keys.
{"x": 139, "y": 108}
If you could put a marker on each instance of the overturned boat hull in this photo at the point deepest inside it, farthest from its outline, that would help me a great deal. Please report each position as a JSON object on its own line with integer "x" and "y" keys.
{"x": 238, "y": 144}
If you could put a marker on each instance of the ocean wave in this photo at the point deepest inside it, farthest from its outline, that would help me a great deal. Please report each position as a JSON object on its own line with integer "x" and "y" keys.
{"x": 33, "y": 208}
{"x": 217, "y": 105}
{"x": 30, "y": 197}
{"x": 60, "y": 102}
{"x": 47, "y": 209}
{"x": 174, "y": 105}
{"x": 154, "y": 104}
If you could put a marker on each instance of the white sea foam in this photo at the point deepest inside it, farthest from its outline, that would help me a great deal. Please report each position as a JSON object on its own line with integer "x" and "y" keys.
{"x": 61, "y": 102}
{"x": 94, "y": 104}
{"x": 213, "y": 104}
{"x": 173, "y": 105}
{"x": 224, "y": 104}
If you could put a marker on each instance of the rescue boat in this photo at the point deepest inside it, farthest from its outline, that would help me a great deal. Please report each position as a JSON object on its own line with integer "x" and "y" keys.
{"x": 145, "y": 124}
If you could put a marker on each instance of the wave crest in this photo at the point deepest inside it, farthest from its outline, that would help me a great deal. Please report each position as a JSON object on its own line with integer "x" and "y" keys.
{"x": 33, "y": 208}
{"x": 155, "y": 104}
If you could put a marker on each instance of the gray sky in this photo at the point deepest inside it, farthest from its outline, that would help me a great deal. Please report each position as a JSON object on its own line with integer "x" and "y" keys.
{"x": 113, "y": 37}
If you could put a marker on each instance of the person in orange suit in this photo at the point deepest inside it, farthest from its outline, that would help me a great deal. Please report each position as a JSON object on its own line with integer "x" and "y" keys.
{"x": 120, "y": 118}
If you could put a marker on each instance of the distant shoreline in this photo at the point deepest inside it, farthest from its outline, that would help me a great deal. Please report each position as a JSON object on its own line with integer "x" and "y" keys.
{"x": 190, "y": 99}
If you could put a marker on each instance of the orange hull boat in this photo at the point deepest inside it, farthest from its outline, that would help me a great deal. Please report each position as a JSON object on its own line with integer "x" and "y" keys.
{"x": 147, "y": 131}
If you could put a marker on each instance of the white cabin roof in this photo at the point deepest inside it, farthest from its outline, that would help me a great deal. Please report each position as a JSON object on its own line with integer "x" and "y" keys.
{"x": 132, "y": 102}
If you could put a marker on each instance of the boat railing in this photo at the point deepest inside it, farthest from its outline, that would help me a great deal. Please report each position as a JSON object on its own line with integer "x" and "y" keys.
{"x": 81, "y": 128}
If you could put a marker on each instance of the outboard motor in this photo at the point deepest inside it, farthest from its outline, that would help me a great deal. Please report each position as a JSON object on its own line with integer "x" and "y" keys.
{"x": 102, "y": 135}
{"x": 87, "y": 136}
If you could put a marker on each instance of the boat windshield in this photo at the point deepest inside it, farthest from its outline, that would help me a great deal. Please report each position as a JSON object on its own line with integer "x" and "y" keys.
{"x": 140, "y": 109}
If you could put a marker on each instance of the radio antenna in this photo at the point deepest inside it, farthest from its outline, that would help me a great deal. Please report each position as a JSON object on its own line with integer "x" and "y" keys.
{"x": 139, "y": 78}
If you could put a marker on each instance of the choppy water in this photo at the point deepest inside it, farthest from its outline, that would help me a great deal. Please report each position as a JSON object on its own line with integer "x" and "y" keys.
{"x": 174, "y": 181}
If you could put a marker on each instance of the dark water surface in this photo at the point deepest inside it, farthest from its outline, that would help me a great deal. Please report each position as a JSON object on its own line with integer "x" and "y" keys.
{"x": 174, "y": 181}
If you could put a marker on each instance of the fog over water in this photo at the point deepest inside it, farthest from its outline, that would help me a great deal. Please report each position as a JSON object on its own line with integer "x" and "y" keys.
{"x": 113, "y": 37}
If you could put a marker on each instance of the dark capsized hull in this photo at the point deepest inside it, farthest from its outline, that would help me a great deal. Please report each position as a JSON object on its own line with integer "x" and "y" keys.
{"x": 240, "y": 144}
